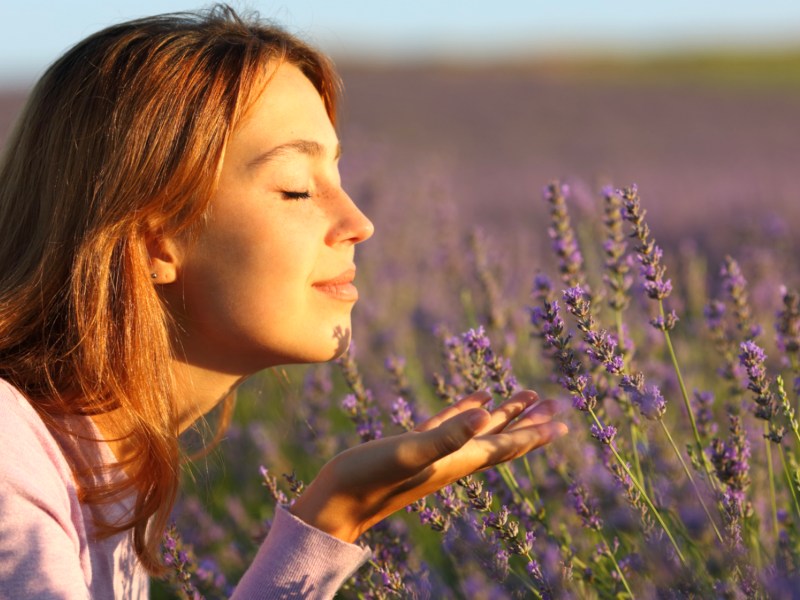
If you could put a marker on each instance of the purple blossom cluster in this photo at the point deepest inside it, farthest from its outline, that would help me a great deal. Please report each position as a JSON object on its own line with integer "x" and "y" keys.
{"x": 647, "y": 252}
{"x": 752, "y": 358}
{"x": 617, "y": 262}
{"x": 563, "y": 238}
{"x": 585, "y": 506}
{"x": 602, "y": 346}
{"x": 647, "y": 398}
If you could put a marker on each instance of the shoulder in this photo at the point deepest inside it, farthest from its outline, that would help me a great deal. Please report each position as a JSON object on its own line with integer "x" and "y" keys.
{"x": 31, "y": 463}
{"x": 43, "y": 550}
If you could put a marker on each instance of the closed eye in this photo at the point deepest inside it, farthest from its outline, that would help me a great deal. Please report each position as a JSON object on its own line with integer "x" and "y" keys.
{"x": 287, "y": 195}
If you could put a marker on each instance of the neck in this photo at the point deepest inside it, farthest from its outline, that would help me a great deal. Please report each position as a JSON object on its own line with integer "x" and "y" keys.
{"x": 199, "y": 390}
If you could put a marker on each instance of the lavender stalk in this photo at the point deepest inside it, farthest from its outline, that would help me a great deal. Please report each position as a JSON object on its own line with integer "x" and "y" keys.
{"x": 648, "y": 399}
{"x": 585, "y": 400}
{"x": 658, "y": 288}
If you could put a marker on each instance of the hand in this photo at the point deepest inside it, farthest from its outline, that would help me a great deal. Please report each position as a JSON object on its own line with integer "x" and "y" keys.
{"x": 365, "y": 484}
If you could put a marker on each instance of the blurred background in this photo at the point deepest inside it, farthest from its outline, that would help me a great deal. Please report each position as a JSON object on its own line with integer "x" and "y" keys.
{"x": 456, "y": 114}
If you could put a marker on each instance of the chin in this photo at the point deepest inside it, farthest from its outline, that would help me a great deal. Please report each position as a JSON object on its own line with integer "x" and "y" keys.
{"x": 326, "y": 349}
{"x": 341, "y": 338}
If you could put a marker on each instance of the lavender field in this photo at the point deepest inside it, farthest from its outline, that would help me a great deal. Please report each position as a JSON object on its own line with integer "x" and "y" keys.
{"x": 672, "y": 338}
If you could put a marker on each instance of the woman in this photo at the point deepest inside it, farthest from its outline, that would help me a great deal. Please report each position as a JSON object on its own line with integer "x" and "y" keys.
{"x": 171, "y": 222}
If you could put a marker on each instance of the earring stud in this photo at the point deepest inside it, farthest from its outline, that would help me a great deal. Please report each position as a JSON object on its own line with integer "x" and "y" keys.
{"x": 154, "y": 275}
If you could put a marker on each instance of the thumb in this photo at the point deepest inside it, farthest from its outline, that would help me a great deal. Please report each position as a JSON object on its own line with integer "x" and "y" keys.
{"x": 448, "y": 437}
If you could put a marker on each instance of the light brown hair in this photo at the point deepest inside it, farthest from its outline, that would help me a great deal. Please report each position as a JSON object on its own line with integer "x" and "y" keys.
{"x": 122, "y": 136}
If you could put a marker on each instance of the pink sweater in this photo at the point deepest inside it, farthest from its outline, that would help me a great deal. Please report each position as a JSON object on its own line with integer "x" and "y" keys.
{"x": 47, "y": 548}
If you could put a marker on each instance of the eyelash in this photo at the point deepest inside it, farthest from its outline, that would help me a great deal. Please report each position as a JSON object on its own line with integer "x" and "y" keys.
{"x": 296, "y": 195}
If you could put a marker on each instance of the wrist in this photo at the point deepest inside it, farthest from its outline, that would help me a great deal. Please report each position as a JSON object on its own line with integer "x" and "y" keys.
{"x": 327, "y": 515}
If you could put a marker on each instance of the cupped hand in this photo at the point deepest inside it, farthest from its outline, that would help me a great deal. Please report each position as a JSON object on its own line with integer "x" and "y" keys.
{"x": 367, "y": 483}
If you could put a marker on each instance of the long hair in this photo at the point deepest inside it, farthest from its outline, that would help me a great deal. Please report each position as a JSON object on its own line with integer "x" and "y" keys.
{"x": 122, "y": 136}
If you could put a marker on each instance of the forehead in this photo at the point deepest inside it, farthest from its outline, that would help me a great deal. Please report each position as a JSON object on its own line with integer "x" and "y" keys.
{"x": 287, "y": 107}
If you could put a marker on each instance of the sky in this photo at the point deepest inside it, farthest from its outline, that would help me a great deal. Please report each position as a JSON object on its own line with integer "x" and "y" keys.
{"x": 33, "y": 33}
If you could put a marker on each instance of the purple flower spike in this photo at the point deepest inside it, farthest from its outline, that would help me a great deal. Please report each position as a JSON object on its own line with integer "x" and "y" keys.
{"x": 402, "y": 415}
{"x": 648, "y": 253}
{"x": 615, "y": 246}
{"x": 651, "y": 403}
{"x": 735, "y": 286}
{"x": 562, "y": 235}
{"x": 585, "y": 507}
{"x": 476, "y": 340}
{"x": 574, "y": 295}
{"x": 714, "y": 312}
{"x": 542, "y": 283}
{"x": 349, "y": 403}
{"x": 605, "y": 435}
{"x": 752, "y": 358}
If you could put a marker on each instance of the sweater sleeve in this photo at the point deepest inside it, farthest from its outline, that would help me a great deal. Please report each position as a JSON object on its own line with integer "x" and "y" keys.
{"x": 42, "y": 554}
{"x": 299, "y": 561}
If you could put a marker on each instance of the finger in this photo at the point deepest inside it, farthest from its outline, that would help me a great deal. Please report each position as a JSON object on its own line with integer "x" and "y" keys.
{"x": 509, "y": 410}
{"x": 475, "y": 400}
{"x": 426, "y": 447}
{"x": 509, "y": 445}
{"x": 538, "y": 414}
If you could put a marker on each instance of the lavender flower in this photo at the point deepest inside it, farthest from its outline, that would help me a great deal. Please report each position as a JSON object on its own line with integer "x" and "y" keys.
{"x": 665, "y": 323}
{"x": 633, "y": 496}
{"x": 649, "y": 255}
{"x": 647, "y": 398}
{"x": 485, "y": 364}
{"x": 584, "y": 393}
{"x": 402, "y": 415}
{"x": 701, "y": 405}
{"x": 735, "y": 286}
{"x": 359, "y": 405}
{"x": 752, "y": 358}
{"x": 787, "y": 327}
{"x": 730, "y": 460}
{"x": 617, "y": 279}
{"x": 731, "y": 465}
{"x": 602, "y": 345}
{"x": 364, "y": 415}
{"x": 542, "y": 287}
{"x": 396, "y": 366}
{"x": 478, "y": 498}
{"x": 433, "y": 517}
{"x": 604, "y": 434}
{"x": 180, "y": 563}
{"x": 585, "y": 507}
{"x": 272, "y": 485}
{"x": 496, "y": 311}
{"x": 563, "y": 237}
{"x": 714, "y": 312}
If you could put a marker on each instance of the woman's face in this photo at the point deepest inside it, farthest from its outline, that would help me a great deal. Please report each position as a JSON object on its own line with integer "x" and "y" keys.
{"x": 268, "y": 280}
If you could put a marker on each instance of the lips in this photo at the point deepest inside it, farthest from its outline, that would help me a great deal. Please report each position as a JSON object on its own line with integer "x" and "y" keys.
{"x": 340, "y": 287}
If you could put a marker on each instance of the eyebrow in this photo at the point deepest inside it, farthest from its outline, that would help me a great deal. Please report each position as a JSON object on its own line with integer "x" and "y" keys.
{"x": 308, "y": 147}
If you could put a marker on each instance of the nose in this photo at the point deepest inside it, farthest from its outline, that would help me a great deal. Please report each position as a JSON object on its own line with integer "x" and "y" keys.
{"x": 350, "y": 225}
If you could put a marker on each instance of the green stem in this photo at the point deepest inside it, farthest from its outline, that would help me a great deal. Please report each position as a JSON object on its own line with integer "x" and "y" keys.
{"x": 789, "y": 480}
{"x": 613, "y": 558}
{"x": 642, "y": 491}
{"x": 635, "y": 449}
{"x": 755, "y": 543}
{"x": 686, "y": 402}
{"x": 628, "y": 409}
{"x": 771, "y": 482}
{"x": 691, "y": 479}
{"x": 787, "y": 409}
{"x": 513, "y": 485}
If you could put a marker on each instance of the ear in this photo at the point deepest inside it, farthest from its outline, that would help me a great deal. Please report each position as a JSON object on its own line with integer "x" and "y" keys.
{"x": 164, "y": 253}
